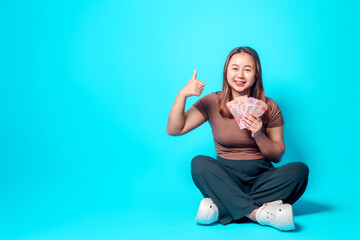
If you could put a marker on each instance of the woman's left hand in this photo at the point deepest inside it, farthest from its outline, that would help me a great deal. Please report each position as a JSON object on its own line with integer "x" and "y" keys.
{"x": 254, "y": 124}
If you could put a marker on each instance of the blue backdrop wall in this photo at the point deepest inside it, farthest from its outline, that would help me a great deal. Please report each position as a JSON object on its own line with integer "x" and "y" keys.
{"x": 86, "y": 88}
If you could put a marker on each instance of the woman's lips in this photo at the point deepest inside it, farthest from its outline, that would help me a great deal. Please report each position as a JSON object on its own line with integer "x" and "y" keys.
{"x": 239, "y": 83}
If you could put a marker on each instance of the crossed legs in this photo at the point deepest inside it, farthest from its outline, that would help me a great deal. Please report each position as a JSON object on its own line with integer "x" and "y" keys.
{"x": 236, "y": 199}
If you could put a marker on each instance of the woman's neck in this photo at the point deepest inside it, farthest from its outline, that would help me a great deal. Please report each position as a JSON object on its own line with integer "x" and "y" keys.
{"x": 236, "y": 94}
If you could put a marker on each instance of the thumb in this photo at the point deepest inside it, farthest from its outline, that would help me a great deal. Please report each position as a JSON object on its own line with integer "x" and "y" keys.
{"x": 194, "y": 75}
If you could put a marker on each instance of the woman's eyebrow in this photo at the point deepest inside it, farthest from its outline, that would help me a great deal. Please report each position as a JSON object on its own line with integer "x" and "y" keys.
{"x": 238, "y": 65}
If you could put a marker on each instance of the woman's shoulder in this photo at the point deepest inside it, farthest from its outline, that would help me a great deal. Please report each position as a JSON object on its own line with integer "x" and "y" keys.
{"x": 207, "y": 104}
{"x": 274, "y": 116}
{"x": 214, "y": 96}
{"x": 271, "y": 102}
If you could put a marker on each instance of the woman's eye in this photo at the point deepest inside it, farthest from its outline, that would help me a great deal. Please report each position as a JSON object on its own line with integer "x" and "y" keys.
{"x": 248, "y": 70}
{"x": 235, "y": 69}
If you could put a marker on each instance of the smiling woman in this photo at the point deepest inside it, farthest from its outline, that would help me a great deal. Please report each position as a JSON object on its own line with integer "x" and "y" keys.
{"x": 241, "y": 181}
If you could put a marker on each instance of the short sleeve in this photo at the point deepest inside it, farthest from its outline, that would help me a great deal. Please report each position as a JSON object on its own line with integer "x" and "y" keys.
{"x": 203, "y": 105}
{"x": 275, "y": 117}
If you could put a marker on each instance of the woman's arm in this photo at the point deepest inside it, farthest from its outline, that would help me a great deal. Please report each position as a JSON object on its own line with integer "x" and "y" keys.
{"x": 180, "y": 122}
{"x": 271, "y": 144}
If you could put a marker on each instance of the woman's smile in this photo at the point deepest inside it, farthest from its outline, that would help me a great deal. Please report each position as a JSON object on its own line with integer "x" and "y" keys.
{"x": 240, "y": 83}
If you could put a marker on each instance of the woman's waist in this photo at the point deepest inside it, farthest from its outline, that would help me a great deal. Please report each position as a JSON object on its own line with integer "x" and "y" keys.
{"x": 249, "y": 167}
{"x": 240, "y": 159}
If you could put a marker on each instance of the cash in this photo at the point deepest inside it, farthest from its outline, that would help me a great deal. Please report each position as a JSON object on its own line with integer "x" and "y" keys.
{"x": 241, "y": 106}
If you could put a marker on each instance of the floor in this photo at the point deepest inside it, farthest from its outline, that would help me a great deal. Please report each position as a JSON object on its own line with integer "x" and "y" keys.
{"x": 174, "y": 219}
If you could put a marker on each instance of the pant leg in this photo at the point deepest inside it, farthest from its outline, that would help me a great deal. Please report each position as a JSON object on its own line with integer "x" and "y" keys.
{"x": 287, "y": 183}
{"x": 214, "y": 182}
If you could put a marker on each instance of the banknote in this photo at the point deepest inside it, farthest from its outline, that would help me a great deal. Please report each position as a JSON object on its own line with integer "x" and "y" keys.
{"x": 234, "y": 111}
{"x": 241, "y": 106}
{"x": 237, "y": 108}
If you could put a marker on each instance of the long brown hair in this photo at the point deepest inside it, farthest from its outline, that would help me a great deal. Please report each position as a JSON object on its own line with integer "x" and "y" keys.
{"x": 257, "y": 89}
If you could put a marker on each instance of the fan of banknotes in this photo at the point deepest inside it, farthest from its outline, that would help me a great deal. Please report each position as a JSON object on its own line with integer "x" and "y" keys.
{"x": 241, "y": 106}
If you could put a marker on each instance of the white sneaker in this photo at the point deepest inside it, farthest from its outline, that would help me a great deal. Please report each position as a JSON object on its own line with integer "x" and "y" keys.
{"x": 208, "y": 212}
{"x": 277, "y": 215}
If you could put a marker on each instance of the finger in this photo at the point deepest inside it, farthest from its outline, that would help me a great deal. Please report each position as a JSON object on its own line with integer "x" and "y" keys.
{"x": 194, "y": 75}
{"x": 198, "y": 92}
{"x": 247, "y": 125}
{"x": 249, "y": 118}
{"x": 201, "y": 83}
{"x": 247, "y": 122}
{"x": 251, "y": 128}
{"x": 255, "y": 116}
{"x": 251, "y": 125}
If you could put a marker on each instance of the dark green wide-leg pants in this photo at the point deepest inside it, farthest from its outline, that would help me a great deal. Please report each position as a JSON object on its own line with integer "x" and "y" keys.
{"x": 237, "y": 187}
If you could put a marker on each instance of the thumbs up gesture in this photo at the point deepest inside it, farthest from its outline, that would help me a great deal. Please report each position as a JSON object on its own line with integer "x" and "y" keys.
{"x": 193, "y": 87}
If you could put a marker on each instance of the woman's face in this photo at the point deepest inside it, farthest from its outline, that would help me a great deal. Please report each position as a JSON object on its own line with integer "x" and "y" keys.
{"x": 241, "y": 74}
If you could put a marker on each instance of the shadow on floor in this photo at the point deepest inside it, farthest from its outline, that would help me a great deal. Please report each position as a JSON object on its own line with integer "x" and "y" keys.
{"x": 303, "y": 207}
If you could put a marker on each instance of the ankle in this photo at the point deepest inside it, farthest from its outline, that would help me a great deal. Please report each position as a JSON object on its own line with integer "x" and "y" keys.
{"x": 252, "y": 215}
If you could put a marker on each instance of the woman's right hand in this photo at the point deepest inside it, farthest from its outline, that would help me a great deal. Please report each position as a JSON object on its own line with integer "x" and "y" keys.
{"x": 193, "y": 87}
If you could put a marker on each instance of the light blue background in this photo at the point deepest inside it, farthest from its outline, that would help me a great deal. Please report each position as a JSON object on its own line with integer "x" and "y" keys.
{"x": 86, "y": 88}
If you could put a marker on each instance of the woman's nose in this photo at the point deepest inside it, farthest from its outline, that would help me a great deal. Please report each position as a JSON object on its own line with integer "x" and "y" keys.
{"x": 241, "y": 74}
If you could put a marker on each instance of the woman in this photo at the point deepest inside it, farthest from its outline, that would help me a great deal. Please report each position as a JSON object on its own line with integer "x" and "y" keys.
{"x": 241, "y": 181}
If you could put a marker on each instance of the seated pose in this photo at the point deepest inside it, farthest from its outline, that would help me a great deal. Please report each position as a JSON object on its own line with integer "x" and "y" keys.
{"x": 241, "y": 181}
